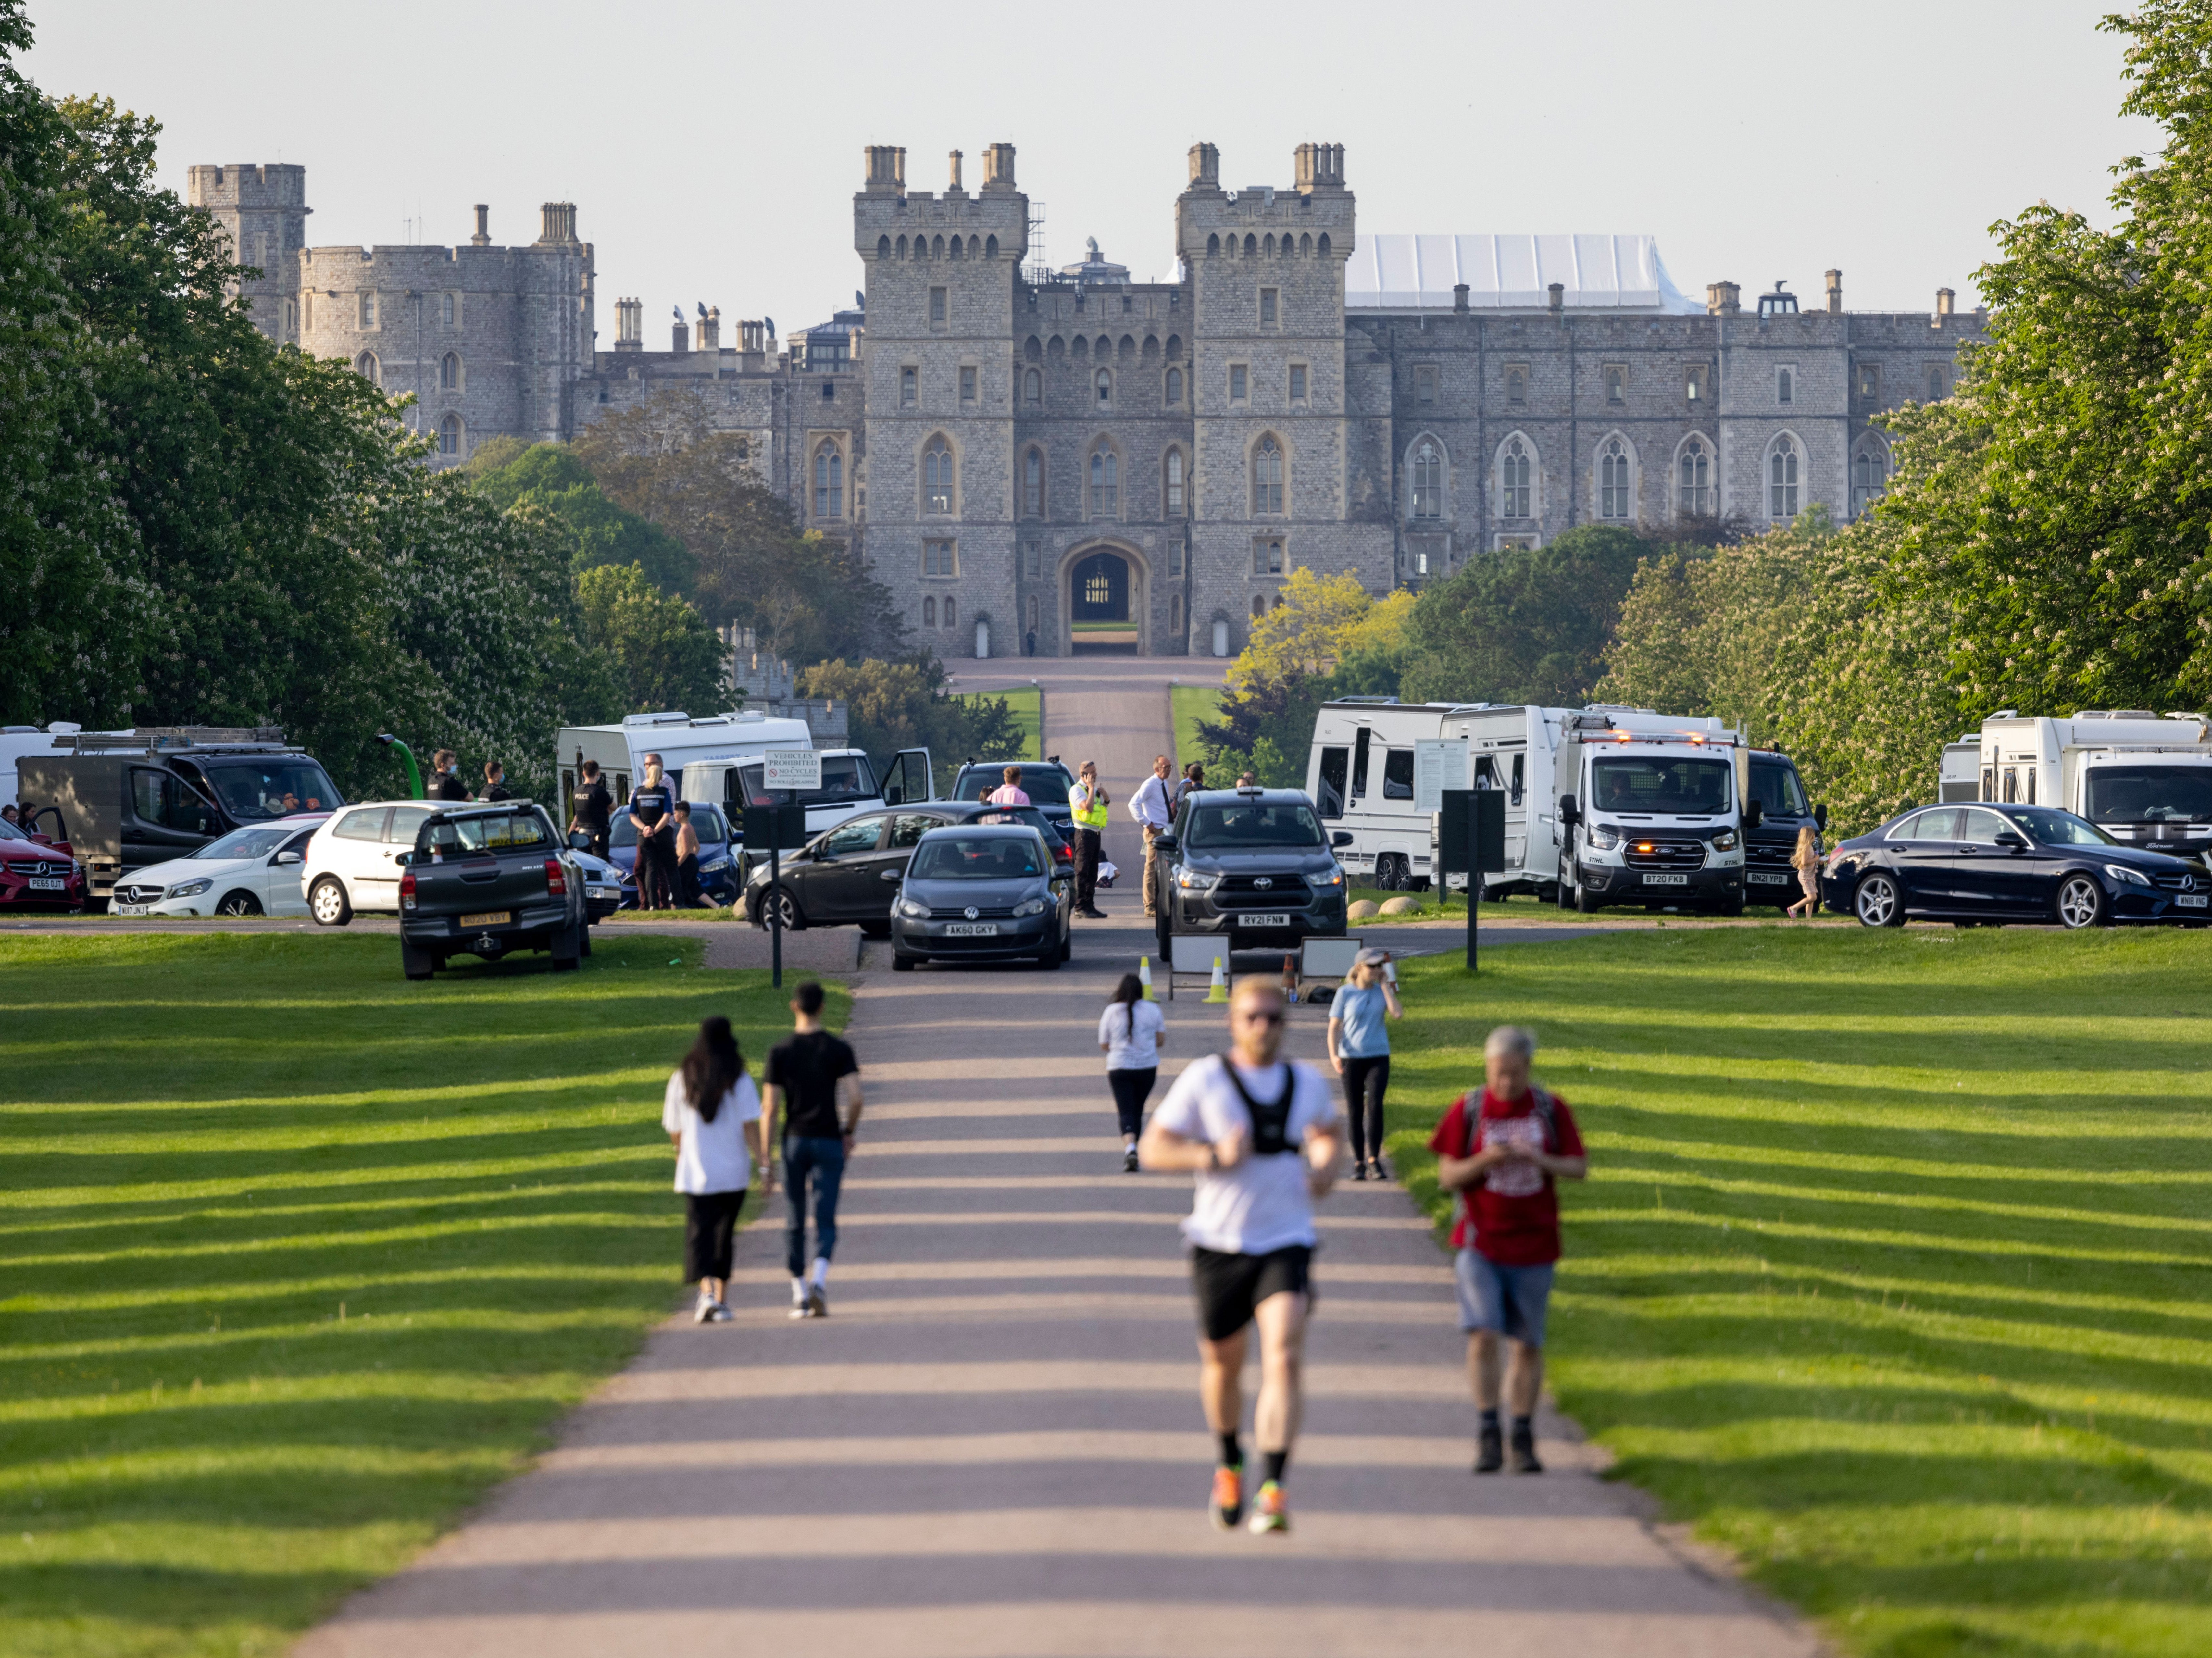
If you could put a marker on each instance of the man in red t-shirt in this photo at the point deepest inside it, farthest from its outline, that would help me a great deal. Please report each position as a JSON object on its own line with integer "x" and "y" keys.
{"x": 1502, "y": 1163}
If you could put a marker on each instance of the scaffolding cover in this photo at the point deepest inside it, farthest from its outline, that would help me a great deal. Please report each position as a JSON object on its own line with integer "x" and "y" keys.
{"x": 1417, "y": 273}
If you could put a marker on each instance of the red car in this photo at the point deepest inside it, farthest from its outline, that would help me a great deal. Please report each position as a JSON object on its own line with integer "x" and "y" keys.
{"x": 37, "y": 871}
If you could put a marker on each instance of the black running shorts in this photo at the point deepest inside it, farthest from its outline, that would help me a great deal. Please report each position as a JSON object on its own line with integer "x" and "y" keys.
{"x": 1229, "y": 1287}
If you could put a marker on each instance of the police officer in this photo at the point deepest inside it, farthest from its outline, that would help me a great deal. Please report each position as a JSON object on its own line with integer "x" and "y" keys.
{"x": 1089, "y": 802}
{"x": 653, "y": 813}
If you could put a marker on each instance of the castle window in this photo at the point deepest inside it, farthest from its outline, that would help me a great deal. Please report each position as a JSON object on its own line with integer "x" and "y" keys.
{"x": 449, "y": 372}
{"x": 1105, "y": 484}
{"x": 1425, "y": 384}
{"x": 1034, "y": 561}
{"x": 1236, "y": 382}
{"x": 1298, "y": 382}
{"x": 937, "y": 305}
{"x": 1613, "y": 498}
{"x": 1175, "y": 491}
{"x": 1033, "y": 485}
{"x": 1268, "y": 556}
{"x": 1105, "y": 379}
{"x": 1267, "y": 478}
{"x": 291, "y": 316}
{"x": 1175, "y": 387}
{"x": 1935, "y": 387}
{"x": 1616, "y": 382}
{"x": 1869, "y": 474}
{"x": 1259, "y": 606}
{"x": 950, "y": 620}
{"x": 1175, "y": 614}
{"x": 940, "y": 558}
{"x": 1175, "y": 560}
{"x": 1693, "y": 385}
{"x": 1515, "y": 494}
{"x": 368, "y": 310}
{"x": 1213, "y": 247}
{"x": 829, "y": 482}
{"x": 909, "y": 379}
{"x": 967, "y": 384}
{"x": 828, "y": 393}
{"x": 990, "y": 247}
{"x": 1129, "y": 303}
{"x": 1428, "y": 479}
{"x": 883, "y": 247}
{"x": 1870, "y": 381}
{"x": 1516, "y": 382}
{"x": 1785, "y": 386}
{"x": 307, "y": 309}
{"x": 1269, "y": 298}
{"x": 1782, "y": 479}
{"x": 1693, "y": 488}
{"x": 937, "y": 477}
{"x": 369, "y": 368}
{"x": 929, "y": 613}
{"x": 449, "y": 435}
{"x": 446, "y": 310}
{"x": 1321, "y": 246}
{"x": 1033, "y": 386}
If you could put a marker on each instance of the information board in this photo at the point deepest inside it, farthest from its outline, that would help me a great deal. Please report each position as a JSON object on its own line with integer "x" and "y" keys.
{"x": 1439, "y": 764}
{"x": 791, "y": 768}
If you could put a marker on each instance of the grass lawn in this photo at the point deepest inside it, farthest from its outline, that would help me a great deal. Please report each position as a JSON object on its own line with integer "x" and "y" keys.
{"x": 1027, "y": 704}
{"x": 1191, "y": 704}
{"x": 1890, "y": 1274}
{"x": 298, "y": 1259}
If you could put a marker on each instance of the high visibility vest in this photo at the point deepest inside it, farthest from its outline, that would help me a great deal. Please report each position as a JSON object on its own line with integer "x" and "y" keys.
{"x": 1093, "y": 816}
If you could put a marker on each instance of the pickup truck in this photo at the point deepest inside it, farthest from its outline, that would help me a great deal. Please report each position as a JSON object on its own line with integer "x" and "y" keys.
{"x": 486, "y": 880}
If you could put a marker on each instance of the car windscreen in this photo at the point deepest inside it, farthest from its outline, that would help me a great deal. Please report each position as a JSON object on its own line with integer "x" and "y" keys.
{"x": 1778, "y": 791}
{"x": 253, "y": 842}
{"x": 845, "y": 777}
{"x": 493, "y": 832}
{"x": 976, "y": 858}
{"x": 2058, "y": 829}
{"x": 1045, "y": 786}
{"x": 1257, "y": 825}
{"x": 10, "y": 832}
{"x": 2148, "y": 794}
{"x": 1651, "y": 784}
{"x": 275, "y": 787}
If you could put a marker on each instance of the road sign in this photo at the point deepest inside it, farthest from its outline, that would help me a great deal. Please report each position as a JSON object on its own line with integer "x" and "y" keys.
{"x": 1439, "y": 764}
{"x": 1471, "y": 838}
{"x": 791, "y": 768}
{"x": 774, "y": 828}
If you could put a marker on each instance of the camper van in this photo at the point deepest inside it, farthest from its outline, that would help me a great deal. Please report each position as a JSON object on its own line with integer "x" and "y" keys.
{"x": 676, "y": 736}
{"x": 2145, "y": 781}
{"x": 1603, "y": 806}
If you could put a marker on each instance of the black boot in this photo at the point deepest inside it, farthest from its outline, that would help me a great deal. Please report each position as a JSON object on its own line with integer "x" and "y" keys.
{"x": 1490, "y": 1453}
{"x": 1524, "y": 1447}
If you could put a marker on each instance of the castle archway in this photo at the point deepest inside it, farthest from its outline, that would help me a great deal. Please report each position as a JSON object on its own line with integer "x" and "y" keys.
{"x": 1104, "y": 592}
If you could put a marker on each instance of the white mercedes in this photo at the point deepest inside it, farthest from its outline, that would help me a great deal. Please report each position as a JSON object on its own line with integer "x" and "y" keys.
{"x": 254, "y": 871}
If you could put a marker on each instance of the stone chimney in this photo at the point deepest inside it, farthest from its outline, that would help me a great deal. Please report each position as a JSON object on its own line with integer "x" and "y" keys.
{"x": 1558, "y": 291}
{"x": 997, "y": 167}
{"x": 679, "y": 336}
{"x": 1835, "y": 281}
{"x": 557, "y": 222}
{"x": 954, "y": 184}
{"x": 752, "y": 345}
{"x": 1319, "y": 167}
{"x": 1722, "y": 299}
{"x": 1459, "y": 297}
{"x": 1205, "y": 167}
{"x": 886, "y": 168}
{"x": 629, "y": 326}
{"x": 482, "y": 238}
{"x": 710, "y": 330}
{"x": 1944, "y": 299}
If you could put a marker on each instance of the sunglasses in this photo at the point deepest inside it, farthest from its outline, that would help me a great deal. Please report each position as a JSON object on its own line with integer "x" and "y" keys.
{"x": 1260, "y": 1018}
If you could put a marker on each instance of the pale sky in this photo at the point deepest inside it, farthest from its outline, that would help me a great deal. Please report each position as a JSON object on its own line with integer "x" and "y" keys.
{"x": 712, "y": 150}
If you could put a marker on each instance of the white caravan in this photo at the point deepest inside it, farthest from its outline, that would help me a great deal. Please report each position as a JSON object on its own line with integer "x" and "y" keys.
{"x": 2145, "y": 781}
{"x": 1959, "y": 777}
{"x": 849, "y": 786}
{"x": 676, "y": 736}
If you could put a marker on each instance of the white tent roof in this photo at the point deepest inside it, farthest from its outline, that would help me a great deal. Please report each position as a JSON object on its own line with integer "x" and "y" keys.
{"x": 1417, "y": 273}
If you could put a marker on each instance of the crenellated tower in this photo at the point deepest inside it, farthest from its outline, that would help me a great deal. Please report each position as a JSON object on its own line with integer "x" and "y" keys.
{"x": 263, "y": 210}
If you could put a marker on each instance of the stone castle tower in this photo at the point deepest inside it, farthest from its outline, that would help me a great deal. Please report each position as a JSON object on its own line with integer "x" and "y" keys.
{"x": 264, "y": 210}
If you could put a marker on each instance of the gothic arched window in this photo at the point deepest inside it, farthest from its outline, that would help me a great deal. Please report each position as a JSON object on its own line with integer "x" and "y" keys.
{"x": 1428, "y": 479}
{"x": 1693, "y": 478}
{"x": 1033, "y": 484}
{"x": 929, "y": 613}
{"x": 1613, "y": 499}
{"x": 829, "y": 482}
{"x": 449, "y": 372}
{"x": 1267, "y": 478}
{"x": 369, "y": 368}
{"x": 1033, "y": 386}
{"x": 1174, "y": 497}
{"x": 1782, "y": 479}
{"x": 1105, "y": 385}
{"x": 1515, "y": 494}
{"x": 1175, "y": 388}
{"x": 1869, "y": 474}
{"x": 1105, "y": 484}
{"x": 937, "y": 477}
{"x": 449, "y": 435}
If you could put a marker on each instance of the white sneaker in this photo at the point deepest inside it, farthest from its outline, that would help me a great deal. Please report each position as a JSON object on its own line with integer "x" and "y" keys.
{"x": 720, "y": 1313}
{"x": 705, "y": 1309}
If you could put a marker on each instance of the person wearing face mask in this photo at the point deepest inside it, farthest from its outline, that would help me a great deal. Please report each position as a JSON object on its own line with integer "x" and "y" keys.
{"x": 445, "y": 782}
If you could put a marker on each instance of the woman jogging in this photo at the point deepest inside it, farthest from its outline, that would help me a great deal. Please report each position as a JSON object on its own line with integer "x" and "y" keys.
{"x": 713, "y": 1113}
{"x": 1130, "y": 1030}
{"x": 1359, "y": 1048}
{"x": 1805, "y": 861}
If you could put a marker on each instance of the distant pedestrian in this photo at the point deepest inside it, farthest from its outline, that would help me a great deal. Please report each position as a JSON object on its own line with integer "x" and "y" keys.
{"x": 1010, "y": 791}
{"x": 1359, "y": 1049}
{"x": 594, "y": 807}
{"x": 652, "y": 814}
{"x": 1029, "y": 643}
{"x": 1503, "y": 1152}
{"x": 445, "y": 782}
{"x": 805, "y": 1077}
{"x": 1131, "y": 1030}
{"x": 1150, "y": 807}
{"x": 713, "y": 1113}
{"x": 1088, "y": 802}
{"x": 1805, "y": 861}
{"x": 7, "y": 814}
{"x": 1249, "y": 779}
{"x": 687, "y": 860}
{"x": 496, "y": 786}
{"x": 1193, "y": 779}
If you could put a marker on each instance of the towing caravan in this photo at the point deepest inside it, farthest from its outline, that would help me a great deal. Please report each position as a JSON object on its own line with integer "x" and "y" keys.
{"x": 2144, "y": 780}
{"x": 1360, "y": 775}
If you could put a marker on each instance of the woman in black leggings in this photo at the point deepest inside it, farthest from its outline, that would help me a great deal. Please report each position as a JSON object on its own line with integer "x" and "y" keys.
{"x": 1131, "y": 1030}
{"x": 1359, "y": 1048}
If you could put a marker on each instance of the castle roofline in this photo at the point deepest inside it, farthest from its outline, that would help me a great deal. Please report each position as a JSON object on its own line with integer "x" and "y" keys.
{"x": 1391, "y": 272}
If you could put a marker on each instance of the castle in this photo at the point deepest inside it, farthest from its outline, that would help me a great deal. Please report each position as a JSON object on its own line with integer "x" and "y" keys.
{"x": 1015, "y": 451}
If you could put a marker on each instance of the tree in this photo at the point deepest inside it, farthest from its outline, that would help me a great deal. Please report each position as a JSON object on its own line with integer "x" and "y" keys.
{"x": 905, "y": 705}
{"x": 662, "y": 652}
{"x": 550, "y": 476}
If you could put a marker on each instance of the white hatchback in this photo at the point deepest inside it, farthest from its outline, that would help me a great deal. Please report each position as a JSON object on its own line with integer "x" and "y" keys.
{"x": 350, "y": 869}
{"x": 254, "y": 871}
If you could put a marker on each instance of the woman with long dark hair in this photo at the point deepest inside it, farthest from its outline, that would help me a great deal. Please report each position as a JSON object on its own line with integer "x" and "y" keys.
{"x": 1131, "y": 1030}
{"x": 713, "y": 1113}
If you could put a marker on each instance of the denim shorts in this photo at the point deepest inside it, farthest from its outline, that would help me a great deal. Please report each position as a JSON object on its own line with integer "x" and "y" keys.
{"x": 1510, "y": 1300}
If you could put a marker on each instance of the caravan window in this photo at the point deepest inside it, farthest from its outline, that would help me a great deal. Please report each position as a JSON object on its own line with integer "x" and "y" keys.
{"x": 1333, "y": 762}
{"x": 1485, "y": 772}
{"x": 1513, "y": 796}
{"x": 1359, "y": 745}
{"x": 1398, "y": 774}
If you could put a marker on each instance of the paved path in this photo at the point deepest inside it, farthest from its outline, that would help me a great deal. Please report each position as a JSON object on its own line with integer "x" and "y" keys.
{"x": 994, "y": 1447}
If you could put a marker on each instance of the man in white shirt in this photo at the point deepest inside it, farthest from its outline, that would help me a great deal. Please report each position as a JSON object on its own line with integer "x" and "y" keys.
{"x": 1150, "y": 807}
{"x": 1261, "y": 1136}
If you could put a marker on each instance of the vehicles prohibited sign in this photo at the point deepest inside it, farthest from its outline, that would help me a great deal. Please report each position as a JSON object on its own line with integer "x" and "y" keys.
{"x": 791, "y": 768}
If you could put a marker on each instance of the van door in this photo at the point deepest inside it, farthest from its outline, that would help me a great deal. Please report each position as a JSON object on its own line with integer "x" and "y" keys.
{"x": 910, "y": 778}
{"x": 1330, "y": 800}
{"x": 377, "y": 887}
{"x": 166, "y": 818}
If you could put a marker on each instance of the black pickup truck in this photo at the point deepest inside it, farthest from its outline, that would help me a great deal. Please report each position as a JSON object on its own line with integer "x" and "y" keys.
{"x": 486, "y": 880}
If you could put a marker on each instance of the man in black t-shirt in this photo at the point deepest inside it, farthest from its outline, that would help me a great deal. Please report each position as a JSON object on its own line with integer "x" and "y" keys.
{"x": 804, "y": 1077}
{"x": 594, "y": 806}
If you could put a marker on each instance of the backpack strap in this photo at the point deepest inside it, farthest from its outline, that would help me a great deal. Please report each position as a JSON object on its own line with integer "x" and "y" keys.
{"x": 1271, "y": 1122}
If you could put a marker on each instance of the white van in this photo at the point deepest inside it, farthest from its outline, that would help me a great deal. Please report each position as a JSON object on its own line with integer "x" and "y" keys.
{"x": 849, "y": 786}
{"x": 676, "y": 736}
{"x": 2145, "y": 781}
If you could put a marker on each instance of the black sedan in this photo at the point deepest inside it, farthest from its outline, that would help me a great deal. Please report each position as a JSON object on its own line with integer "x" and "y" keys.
{"x": 1990, "y": 864}
{"x": 850, "y": 874}
{"x": 983, "y": 892}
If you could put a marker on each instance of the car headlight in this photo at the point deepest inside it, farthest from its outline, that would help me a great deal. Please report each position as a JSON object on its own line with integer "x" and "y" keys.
{"x": 193, "y": 888}
{"x": 912, "y": 910}
{"x": 714, "y": 868}
{"x": 1192, "y": 880}
{"x": 1031, "y": 907}
{"x": 1604, "y": 837}
{"x": 1334, "y": 878}
{"x": 1725, "y": 841}
{"x": 2117, "y": 872}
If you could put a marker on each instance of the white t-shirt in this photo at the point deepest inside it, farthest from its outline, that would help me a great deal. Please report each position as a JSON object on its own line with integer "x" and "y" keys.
{"x": 712, "y": 1156}
{"x": 1131, "y": 1034}
{"x": 1263, "y": 1204}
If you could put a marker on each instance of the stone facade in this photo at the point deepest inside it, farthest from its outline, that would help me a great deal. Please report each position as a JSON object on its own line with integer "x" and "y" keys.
{"x": 990, "y": 428}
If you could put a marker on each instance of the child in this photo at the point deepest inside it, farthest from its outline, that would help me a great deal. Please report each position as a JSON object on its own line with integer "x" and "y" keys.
{"x": 713, "y": 1113}
{"x": 1805, "y": 861}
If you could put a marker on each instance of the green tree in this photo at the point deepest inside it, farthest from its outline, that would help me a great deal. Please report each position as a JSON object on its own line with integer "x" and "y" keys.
{"x": 906, "y": 705}
{"x": 550, "y": 476}
{"x": 662, "y": 652}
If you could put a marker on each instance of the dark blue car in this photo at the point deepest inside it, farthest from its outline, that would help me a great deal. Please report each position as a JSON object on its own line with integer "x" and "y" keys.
{"x": 1987, "y": 864}
{"x": 718, "y": 873}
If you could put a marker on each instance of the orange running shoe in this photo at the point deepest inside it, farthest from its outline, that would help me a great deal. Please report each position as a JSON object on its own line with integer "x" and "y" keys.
{"x": 1227, "y": 1506}
{"x": 1271, "y": 1511}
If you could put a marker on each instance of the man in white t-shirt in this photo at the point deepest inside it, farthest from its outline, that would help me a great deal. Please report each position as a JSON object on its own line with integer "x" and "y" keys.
{"x": 1261, "y": 1136}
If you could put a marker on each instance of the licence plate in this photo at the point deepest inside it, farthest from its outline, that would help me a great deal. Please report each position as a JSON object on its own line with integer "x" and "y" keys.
{"x": 1760, "y": 878}
{"x": 46, "y": 883}
{"x": 972, "y": 930}
{"x": 132, "y": 909}
{"x": 2191, "y": 900}
{"x": 489, "y": 918}
{"x": 1666, "y": 880}
{"x": 1263, "y": 921}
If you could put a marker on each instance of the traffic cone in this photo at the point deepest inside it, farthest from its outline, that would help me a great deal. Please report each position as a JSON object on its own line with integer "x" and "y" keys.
{"x": 1219, "y": 990}
{"x": 1289, "y": 980}
{"x": 1145, "y": 976}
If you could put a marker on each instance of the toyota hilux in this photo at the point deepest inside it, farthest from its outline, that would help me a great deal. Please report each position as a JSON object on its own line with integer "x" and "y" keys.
{"x": 1254, "y": 864}
{"x": 488, "y": 880}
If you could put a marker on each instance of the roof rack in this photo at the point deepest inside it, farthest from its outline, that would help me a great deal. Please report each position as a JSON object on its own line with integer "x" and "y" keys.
{"x": 170, "y": 740}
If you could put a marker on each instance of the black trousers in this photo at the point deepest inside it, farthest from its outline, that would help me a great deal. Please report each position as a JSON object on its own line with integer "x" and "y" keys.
{"x": 656, "y": 870}
{"x": 1131, "y": 1089}
{"x": 1086, "y": 869}
{"x": 686, "y": 883}
{"x": 710, "y": 1221}
{"x": 1364, "y": 1082}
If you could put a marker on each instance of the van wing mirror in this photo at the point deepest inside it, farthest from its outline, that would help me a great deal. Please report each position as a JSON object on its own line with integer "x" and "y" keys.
{"x": 1342, "y": 838}
{"x": 1754, "y": 814}
{"x": 1569, "y": 814}
{"x": 1821, "y": 816}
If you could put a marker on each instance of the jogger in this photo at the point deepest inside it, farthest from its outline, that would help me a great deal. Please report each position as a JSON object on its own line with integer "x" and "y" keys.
{"x": 806, "y": 1076}
{"x": 1130, "y": 1030}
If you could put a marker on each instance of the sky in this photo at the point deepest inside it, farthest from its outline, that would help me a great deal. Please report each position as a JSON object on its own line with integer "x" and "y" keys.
{"x": 712, "y": 150}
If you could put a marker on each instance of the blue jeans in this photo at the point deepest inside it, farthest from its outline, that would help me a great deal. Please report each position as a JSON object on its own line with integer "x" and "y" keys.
{"x": 825, "y": 1160}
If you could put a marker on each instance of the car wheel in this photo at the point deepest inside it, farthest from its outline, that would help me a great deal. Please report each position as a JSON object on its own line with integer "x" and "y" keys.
{"x": 238, "y": 903}
{"x": 793, "y": 918}
{"x": 1387, "y": 873}
{"x": 1585, "y": 900}
{"x": 2080, "y": 903}
{"x": 902, "y": 963}
{"x": 1877, "y": 903}
{"x": 328, "y": 903}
